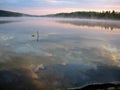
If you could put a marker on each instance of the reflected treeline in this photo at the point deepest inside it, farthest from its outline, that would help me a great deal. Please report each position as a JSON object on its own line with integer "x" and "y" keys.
{"x": 5, "y": 22}
{"x": 108, "y": 24}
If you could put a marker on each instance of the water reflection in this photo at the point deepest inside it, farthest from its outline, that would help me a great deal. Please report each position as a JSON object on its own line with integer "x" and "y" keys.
{"x": 106, "y": 24}
{"x": 4, "y": 22}
{"x": 63, "y": 58}
{"x": 56, "y": 77}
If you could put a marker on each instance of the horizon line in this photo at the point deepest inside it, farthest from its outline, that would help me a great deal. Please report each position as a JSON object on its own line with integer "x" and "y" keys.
{"x": 63, "y": 12}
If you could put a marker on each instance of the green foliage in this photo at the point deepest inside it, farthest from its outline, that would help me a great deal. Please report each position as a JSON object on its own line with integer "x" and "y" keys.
{"x": 33, "y": 35}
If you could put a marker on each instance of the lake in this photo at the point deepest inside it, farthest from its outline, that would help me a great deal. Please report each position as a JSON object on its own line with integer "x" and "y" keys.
{"x": 38, "y": 53}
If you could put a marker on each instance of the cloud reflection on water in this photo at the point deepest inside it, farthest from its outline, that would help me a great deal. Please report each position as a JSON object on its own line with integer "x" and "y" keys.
{"x": 70, "y": 66}
{"x": 64, "y": 57}
{"x": 56, "y": 77}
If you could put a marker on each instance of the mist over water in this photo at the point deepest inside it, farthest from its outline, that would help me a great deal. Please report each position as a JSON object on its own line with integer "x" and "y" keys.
{"x": 68, "y": 53}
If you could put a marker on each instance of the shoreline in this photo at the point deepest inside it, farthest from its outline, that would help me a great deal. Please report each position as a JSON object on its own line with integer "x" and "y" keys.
{"x": 99, "y": 86}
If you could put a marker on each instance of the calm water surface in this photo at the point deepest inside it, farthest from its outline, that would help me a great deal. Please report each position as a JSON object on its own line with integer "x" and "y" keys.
{"x": 68, "y": 53}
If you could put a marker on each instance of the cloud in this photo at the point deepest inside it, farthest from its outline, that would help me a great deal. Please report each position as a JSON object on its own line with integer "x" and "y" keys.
{"x": 53, "y": 1}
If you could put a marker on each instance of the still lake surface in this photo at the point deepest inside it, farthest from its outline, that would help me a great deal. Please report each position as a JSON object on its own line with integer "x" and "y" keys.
{"x": 68, "y": 53}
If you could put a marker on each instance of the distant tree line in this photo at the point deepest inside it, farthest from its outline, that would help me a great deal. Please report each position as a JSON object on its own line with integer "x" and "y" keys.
{"x": 4, "y": 13}
{"x": 80, "y": 14}
{"x": 9, "y": 14}
{"x": 98, "y": 15}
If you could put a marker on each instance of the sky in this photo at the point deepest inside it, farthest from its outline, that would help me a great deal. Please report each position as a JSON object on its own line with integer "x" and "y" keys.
{"x": 43, "y": 7}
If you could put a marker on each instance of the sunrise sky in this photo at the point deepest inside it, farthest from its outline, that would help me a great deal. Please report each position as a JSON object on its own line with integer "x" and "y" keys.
{"x": 42, "y": 7}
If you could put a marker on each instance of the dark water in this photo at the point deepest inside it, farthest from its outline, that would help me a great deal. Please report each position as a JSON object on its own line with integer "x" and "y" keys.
{"x": 68, "y": 53}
